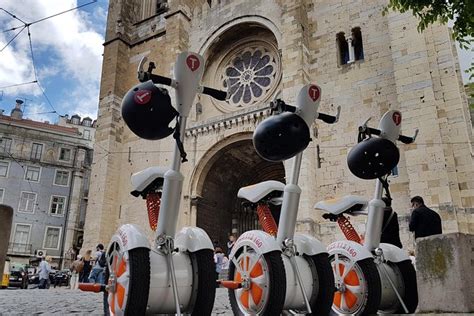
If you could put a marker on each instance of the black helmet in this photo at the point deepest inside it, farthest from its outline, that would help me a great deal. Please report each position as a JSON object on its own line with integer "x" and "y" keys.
{"x": 147, "y": 110}
{"x": 373, "y": 158}
{"x": 281, "y": 136}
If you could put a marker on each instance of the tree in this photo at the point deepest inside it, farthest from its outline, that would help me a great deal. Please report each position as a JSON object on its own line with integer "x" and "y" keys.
{"x": 430, "y": 11}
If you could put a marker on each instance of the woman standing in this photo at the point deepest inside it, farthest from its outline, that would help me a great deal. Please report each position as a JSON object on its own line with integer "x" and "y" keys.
{"x": 84, "y": 275}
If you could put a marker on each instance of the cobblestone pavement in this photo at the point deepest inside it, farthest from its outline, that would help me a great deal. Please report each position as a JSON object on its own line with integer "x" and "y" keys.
{"x": 62, "y": 301}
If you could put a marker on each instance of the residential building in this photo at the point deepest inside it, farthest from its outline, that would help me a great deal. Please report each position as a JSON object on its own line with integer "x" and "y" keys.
{"x": 44, "y": 177}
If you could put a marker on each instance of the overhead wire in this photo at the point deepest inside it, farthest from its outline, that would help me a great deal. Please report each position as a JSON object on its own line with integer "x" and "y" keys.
{"x": 27, "y": 26}
{"x": 13, "y": 38}
{"x": 18, "y": 84}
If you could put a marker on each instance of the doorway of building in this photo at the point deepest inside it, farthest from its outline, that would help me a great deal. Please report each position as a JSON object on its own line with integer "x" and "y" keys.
{"x": 219, "y": 210}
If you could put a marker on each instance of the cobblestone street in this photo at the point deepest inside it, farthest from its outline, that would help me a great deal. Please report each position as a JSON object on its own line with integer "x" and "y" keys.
{"x": 62, "y": 301}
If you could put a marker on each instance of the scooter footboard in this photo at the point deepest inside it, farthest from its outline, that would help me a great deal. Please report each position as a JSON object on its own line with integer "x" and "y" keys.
{"x": 394, "y": 254}
{"x": 308, "y": 245}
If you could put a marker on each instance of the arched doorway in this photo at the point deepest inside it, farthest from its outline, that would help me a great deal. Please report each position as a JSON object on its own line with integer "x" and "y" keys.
{"x": 219, "y": 210}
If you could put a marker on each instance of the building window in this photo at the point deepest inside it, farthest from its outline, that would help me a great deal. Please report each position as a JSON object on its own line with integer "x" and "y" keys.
{"x": 342, "y": 48}
{"x": 27, "y": 202}
{"x": 51, "y": 237}
{"x": 2, "y": 193}
{"x": 61, "y": 178}
{"x": 357, "y": 43}
{"x": 4, "y": 168}
{"x": 36, "y": 151}
{"x": 86, "y": 122}
{"x": 350, "y": 49}
{"x": 87, "y": 134}
{"x": 5, "y": 145}
{"x": 32, "y": 173}
{"x": 58, "y": 205}
{"x": 21, "y": 238}
{"x": 65, "y": 154}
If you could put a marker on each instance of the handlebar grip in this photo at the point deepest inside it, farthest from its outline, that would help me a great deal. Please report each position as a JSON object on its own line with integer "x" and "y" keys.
{"x": 159, "y": 79}
{"x": 216, "y": 94}
{"x": 327, "y": 118}
{"x": 405, "y": 139}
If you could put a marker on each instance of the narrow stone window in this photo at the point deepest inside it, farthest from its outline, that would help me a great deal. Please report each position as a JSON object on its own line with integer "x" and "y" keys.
{"x": 342, "y": 48}
{"x": 357, "y": 43}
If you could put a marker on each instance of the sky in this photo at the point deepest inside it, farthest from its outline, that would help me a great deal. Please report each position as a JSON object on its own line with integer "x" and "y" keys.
{"x": 67, "y": 50}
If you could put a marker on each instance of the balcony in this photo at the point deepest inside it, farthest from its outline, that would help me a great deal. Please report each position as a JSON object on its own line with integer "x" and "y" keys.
{"x": 19, "y": 249}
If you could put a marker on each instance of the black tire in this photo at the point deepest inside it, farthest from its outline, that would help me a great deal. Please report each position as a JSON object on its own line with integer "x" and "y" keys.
{"x": 277, "y": 285}
{"x": 139, "y": 286}
{"x": 410, "y": 298}
{"x": 322, "y": 298}
{"x": 206, "y": 279}
{"x": 373, "y": 286}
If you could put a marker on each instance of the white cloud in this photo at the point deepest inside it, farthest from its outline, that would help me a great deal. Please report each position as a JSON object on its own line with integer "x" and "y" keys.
{"x": 71, "y": 37}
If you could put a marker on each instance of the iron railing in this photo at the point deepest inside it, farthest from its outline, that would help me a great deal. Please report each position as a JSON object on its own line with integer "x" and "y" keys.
{"x": 18, "y": 248}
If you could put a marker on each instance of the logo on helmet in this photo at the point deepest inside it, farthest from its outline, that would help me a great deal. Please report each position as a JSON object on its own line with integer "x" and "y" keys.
{"x": 193, "y": 62}
{"x": 142, "y": 96}
{"x": 314, "y": 93}
{"x": 397, "y": 118}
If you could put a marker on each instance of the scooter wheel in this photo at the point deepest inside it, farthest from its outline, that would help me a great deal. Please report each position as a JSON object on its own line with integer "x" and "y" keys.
{"x": 263, "y": 282}
{"x": 206, "y": 279}
{"x": 358, "y": 286}
{"x": 129, "y": 280}
{"x": 322, "y": 297}
{"x": 408, "y": 273}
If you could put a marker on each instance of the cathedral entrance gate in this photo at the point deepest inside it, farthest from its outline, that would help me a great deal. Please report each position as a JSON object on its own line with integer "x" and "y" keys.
{"x": 219, "y": 211}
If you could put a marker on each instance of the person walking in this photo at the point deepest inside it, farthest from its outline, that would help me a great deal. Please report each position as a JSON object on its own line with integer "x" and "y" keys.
{"x": 44, "y": 270}
{"x": 230, "y": 244}
{"x": 390, "y": 227}
{"x": 219, "y": 260}
{"x": 424, "y": 221}
{"x": 97, "y": 273}
{"x": 84, "y": 274}
{"x": 76, "y": 269}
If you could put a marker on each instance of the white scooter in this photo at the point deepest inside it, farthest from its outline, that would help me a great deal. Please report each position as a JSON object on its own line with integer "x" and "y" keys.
{"x": 371, "y": 276}
{"x": 277, "y": 270}
{"x": 177, "y": 274}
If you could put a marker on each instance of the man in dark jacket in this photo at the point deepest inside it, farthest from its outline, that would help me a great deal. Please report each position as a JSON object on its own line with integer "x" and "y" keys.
{"x": 424, "y": 221}
{"x": 390, "y": 228}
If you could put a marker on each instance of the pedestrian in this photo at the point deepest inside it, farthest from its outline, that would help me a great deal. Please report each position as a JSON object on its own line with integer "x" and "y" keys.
{"x": 84, "y": 274}
{"x": 44, "y": 270}
{"x": 423, "y": 220}
{"x": 76, "y": 268}
{"x": 390, "y": 228}
{"x": 219, "y": 260}
{"x": 230, "y": 244}
{"x": 97, "y": 273}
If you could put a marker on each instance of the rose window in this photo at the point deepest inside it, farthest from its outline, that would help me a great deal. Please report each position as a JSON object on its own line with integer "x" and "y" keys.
{"x": 249, "y": 75}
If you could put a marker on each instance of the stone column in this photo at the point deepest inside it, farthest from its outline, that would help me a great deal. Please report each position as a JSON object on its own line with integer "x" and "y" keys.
{"x": 6, "y": 219}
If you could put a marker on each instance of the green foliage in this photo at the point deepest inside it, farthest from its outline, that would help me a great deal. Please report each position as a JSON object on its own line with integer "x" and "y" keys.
{"x": 428, "y": 12}
{"x": 431, "y": 11}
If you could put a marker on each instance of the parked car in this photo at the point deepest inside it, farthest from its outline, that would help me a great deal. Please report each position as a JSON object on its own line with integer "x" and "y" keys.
{"x": 61, "y": 277}
{"x": 18, "y": 277}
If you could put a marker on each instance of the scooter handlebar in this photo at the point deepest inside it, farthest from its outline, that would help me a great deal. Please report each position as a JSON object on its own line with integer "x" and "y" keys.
{"x": 330, "y": 119}
{"x": 407, "y": 139}
{"x": 216, "y": 94}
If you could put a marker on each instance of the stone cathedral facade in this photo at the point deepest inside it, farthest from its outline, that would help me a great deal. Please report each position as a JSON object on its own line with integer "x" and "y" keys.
{"x": 365, "y": 62}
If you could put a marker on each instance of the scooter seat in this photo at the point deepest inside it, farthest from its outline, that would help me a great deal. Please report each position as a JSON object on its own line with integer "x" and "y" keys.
{"x": 143, "y": 179}
{"x": 341, "y": 205}
{"x": 256, "y": 192}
